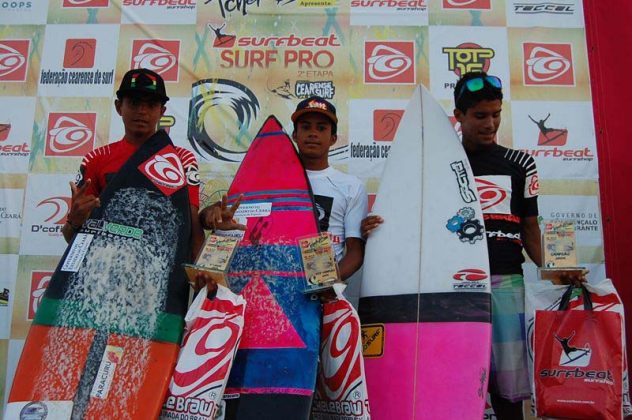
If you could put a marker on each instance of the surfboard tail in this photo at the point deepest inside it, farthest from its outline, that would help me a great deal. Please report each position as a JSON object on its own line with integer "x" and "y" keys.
{"x": 115, "y": 383}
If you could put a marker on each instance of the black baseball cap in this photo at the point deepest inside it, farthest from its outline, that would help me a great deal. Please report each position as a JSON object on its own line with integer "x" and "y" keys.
{"x": 315, "y": 104}
{"x": 142, "y": 82}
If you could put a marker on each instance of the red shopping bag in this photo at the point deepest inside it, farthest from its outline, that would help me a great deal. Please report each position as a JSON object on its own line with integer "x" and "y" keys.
{"x": 578, "y": 362}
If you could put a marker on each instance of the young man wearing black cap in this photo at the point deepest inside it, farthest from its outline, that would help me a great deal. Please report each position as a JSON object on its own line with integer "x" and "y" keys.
{"x": 140, "y": 102}
{"x": 340, "y": 198}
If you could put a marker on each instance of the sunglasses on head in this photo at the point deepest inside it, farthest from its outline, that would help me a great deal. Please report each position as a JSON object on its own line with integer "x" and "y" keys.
{"x": 477, "y": 83}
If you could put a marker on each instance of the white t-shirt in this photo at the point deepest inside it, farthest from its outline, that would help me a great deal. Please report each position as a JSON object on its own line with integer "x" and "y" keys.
{"x": 341, "y": 202}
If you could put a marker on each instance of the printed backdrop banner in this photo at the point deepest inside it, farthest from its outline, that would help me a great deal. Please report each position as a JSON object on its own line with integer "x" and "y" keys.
{"x": 229, "y": 64}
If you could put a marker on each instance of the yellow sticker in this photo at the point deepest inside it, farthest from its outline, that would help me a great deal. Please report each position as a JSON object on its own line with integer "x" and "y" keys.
{"x": 373, "y": 340}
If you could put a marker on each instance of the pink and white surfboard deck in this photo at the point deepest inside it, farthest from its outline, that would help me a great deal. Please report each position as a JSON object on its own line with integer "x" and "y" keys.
{"x": 425, "y": 300}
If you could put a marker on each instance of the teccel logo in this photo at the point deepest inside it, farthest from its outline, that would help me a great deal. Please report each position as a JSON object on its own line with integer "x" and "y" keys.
{"x": 471, "y": 274}
{"x": 70, "y": 134}
{"x": 13, "y": 59}
{"x": 548, "y": 64}
{"x": 160, "y": 56}
{"x": 470, "y": 278}
{"x": 389, "y": 62}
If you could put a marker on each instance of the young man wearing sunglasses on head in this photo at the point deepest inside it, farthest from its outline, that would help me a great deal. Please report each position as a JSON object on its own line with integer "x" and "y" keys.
{"x": 511, "y": 222}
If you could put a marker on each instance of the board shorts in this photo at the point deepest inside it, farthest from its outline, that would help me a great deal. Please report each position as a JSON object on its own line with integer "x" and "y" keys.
{"x": 509, "y": 374}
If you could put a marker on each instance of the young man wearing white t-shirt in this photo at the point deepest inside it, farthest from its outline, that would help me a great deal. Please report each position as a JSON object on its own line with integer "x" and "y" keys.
{"x": 340, "y": 198}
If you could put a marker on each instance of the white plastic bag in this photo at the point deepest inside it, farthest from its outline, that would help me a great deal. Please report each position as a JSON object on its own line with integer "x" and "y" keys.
{"x": 213, "y": 331}
{"x": 341, "y": 383}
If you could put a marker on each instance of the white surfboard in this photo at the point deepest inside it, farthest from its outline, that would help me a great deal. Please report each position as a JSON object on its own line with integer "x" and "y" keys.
{"x": 425, "y": 299}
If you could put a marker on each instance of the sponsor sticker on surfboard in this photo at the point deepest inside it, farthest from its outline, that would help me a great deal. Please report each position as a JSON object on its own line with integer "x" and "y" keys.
{"x": 77, "y": 252}
{"x": 111, "y": 358}
{"x": 373, "y": 340}
{"x": 253, "y": 210}
{"x": 39, "y": 409}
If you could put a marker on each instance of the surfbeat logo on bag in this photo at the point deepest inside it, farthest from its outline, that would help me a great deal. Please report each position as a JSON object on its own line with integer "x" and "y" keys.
{"x": 575, "y": 357}
{"x": 548, "y": 64}
{"x": 13, "y": 59}
{"x": 70, "y": 134}
{"x": 340, "y": 388}
{"x": 389, "y": 62}
{"x": 157, "y": 55}
{"x": 204, "y": 363}
{"x": 164, "y": 170}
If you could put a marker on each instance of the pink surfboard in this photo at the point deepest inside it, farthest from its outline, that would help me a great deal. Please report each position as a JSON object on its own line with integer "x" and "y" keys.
{"x": 425, "y": 299}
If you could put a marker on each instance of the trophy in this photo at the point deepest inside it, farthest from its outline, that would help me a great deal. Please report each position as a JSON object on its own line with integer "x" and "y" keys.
{"x": 559, "y": 251}
{"x": 321, "y": 270}
{"x": 213, "y": 259}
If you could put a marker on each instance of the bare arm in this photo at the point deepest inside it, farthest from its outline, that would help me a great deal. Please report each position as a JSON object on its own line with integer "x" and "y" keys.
{"x": 352, "y": 260}
{"x": 81, "y": 204}
{"x": 531, "y": 238}
{"x": 220, "y": 216}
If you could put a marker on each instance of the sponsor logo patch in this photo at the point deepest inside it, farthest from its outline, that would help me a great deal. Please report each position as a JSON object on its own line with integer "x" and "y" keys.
{"x": 470, "y": 278}
{"x": 164, "y": 170}
{"x": 548, "y": 64}
{"x": 391, "y": 62}
{"x": 13, "y": 59}
{"x": 372, "y": 340}
{"x": 70, "y": 134}
{"x": 160, "y": 56}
